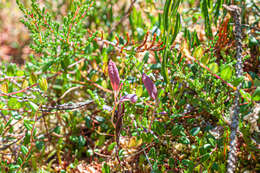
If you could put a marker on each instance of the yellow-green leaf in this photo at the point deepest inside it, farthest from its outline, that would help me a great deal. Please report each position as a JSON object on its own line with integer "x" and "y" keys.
{"x": 25, "y": 84}
{"x": 226, "y": 72}
{"x": 24, "y": 149}
{"x": 33, "y": 78}
{"x": 4, "y": 87}
{"x": 34, "y": 106}
{"x": 256, "y": 95}
{"x": 198, "y": 53}
{"x": 139, "y": 91}
{"x": 213, "y": 67}
{"x": 205, "y": 59}
{"x": 132, "y": 142}
{"x": 104, "y": 84}
{"x": 43, "y": 84}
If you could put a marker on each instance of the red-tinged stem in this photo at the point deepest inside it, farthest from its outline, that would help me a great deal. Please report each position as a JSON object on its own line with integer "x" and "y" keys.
{"x": 20, "y": 91}
{"x": 25, "y": 89}
{"x": 205, "y": 67}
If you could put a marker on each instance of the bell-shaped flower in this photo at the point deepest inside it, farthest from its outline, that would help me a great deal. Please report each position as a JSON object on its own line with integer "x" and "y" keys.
{"x": 113, "y": 75}
{"x": 150, "y": 86}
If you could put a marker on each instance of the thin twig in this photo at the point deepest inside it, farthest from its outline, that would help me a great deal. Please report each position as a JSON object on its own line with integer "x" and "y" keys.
{"x": 232, "y": 157}
{"x": 66, "y": 106}
{"x": 70, "y": 90}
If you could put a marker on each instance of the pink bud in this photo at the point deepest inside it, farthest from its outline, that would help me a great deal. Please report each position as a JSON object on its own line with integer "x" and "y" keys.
{"x": 113, "y": 75}
{"x": 129, "y": 97}
{"x": 149, "y": 85}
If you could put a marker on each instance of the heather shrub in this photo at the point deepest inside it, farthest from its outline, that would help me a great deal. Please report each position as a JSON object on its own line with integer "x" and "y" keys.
{"x": 142, "y": 86}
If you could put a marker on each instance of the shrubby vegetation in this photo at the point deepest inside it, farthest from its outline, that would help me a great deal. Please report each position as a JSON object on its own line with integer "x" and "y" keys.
{"x": 144, "y": 86}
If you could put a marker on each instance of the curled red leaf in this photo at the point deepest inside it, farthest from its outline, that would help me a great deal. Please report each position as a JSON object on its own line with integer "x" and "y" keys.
{"x": 113, "y": 75}
{"x": 149, "y": 85}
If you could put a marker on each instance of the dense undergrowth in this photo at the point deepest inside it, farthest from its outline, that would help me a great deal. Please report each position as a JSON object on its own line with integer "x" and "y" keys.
{"x": 143, "y": 86}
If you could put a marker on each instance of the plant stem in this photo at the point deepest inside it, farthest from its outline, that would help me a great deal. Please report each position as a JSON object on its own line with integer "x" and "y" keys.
{"x": 232, "y": 158}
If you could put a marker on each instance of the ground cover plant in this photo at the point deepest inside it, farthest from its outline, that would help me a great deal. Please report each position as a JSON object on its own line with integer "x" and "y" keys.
{"x": 130, "y": 86}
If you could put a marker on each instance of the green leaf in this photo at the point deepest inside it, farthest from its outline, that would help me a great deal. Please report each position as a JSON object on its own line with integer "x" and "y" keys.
{"x": 25, "y": 84}
{"x": 156, "y": 66}
{"x": 177, "y": 129}
{"x": 101, "y": 140}
{"x": 24, "y": 149}
{"x": 105, "y": 168}
{"x": 195, "y": 131}
{"x": 43, "y": 84}
{"x": 47, "y": 66}
{"x": 245, "y": 94}
{"x": 215, "y": 166}
{"x": 13, "y": 167}
{"x": 88, "y": 121}
{"x": 19, "y": 73}
{"x": 198, "y": 52}
{"x": 33, "y": 78}
{"x": 4, "y": 87}
{"x": 256, "y": 95}
{"x": 171, "y": 162}
{"x": 33, "y": 106}
{"x": 39, "y": 145}
{"x": 177, "y": 27}
{"x": 81, "y": 141}
{"x": 206, "y": 146}
{"x": 10, "y": 69}
{"x": 213, "y": 67}
{"x": 8, "y": 122}
{"x": 257, "y": 83}
{"x": 139, "y": 91}
{"x": 205, "y": 59}
{"x": 19, "y": 160}
{"x": 226, "y": 72}
{"x": 252, "y": 41}
{"x": 144, "y": 61}
{"x": 237, "y": 81}
{"x": 206, "y": 17}
{"x": 27, "y": 124}
{"x": 111, "y": 146}
{"x": 152, "y": 153}
{"x": 65, "y": 63}
{"x": 184, "y": 140}
{"x": 166, "y": 14}
{"x": 100, "y": 119}
{"x": 205, "y": 157}
{"x": 57, "y": 129}
{"x": 13, "y": 103}
{"x": 187, "y": 163}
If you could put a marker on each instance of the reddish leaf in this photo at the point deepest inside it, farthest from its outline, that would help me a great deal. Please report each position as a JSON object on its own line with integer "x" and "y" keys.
{"x": 113, "y": 75}
{"x": 149, "y": 85}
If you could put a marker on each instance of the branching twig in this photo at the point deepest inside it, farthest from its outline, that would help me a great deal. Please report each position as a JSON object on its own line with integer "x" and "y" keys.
{"x": 67, "y": 106}
{"x": 235, "y": 13}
